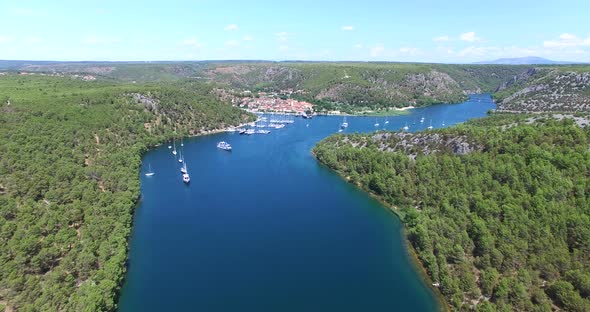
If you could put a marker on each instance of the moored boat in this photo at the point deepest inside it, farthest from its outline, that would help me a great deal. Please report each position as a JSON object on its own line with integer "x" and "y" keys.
{"x": 224, "y": 146}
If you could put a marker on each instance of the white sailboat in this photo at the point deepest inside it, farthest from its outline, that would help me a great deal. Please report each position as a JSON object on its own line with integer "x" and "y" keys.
{"x": 406, "y": 128}
{"x": 185, "y": 176}
{"x": 150, "y": 171}
{"x": 443, "y": 123}
{"x": 376, "y": 123}
{"x": 181, "y": 142}
{"x": 180, "y": 159}
{"x": 344, "y": 124}
{"x": 430, "y": 127}
{"x": 174, "y": 147}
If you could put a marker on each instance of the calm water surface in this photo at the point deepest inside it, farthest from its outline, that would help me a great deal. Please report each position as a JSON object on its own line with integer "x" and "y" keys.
{"x": 266, "y": 228}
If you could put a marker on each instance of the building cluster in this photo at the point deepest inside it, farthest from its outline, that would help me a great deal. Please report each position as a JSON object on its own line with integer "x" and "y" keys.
{"x": 272, "y": 103}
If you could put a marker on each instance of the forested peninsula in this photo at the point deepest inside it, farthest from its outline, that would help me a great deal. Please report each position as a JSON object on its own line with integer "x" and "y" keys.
{"x": 497, "y": 209}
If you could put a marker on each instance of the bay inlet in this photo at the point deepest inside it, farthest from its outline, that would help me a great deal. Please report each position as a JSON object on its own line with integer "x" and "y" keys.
{"x": 267, "y": 228}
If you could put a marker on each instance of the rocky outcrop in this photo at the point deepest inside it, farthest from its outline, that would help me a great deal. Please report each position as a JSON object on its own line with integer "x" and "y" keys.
{"x": 554, "y": 91}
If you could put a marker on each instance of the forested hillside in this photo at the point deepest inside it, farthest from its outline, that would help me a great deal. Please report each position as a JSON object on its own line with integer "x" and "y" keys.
{"x": 557, "y": 89}
{"x": 372, "y": 85}
{"x": 69, "y": 160}
{"x": 497, "y": 210}
{"x": 363, "y": 85}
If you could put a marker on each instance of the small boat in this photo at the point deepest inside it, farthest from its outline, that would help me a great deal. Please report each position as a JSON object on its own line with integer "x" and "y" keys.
{"x": 406, "y": 128}
{"x": 186, "y": 178}
{"x": 183, "y": 168}
{"x": 224, "y": 146}
{"x": 430, "y": 127}
{"x": 180, "y": 158}
{"x": 344, "y": 124}
{"x": 340, "y": 130}
{"x": 443, "y": 123}
{"x": 181, "y": 143}
{"x": 242, "y": 131}
{"x": 422, "y": 120}
{"x": 376, "y": 123}
{"x": 150, "y": 171}
{"x": 174, "y": 148}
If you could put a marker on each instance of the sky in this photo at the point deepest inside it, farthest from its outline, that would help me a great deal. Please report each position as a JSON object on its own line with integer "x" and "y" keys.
{"x": 451, "y": 31}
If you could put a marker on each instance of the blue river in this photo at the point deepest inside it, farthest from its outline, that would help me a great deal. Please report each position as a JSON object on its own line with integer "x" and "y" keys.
{"x": 267, "y": 228}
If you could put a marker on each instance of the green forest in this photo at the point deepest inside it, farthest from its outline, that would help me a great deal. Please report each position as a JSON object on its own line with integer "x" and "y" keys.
{"x": 70, "y": 154}
{"x": 503, "y": 226}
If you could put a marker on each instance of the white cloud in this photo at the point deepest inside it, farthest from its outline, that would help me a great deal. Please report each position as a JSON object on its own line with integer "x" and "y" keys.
{"x": 469, "y": 37}
{"x": 192, "y": 42}
{"x": 231, "y": 27}
{"x": 377, "y": 50}
{"x": 441, "y": 39}
{"x": 5, "y": 39}
{"x": 282, "y": 36}
{"x": 100, "y": 40}
{"x": 358, "y": 46}
{"x": 347, "y": 28}
{"x": 33, "y": 40}
{"x": 248, "y": 38}
{"x": 567, "y": 41}
{"x": 232, "y": 43}
{"x": 410, "y": 51}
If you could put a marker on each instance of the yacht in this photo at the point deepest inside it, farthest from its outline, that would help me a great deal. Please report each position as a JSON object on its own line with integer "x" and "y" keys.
{"x": 150, "y": 171}
{"x": 344, "y": 123}
{"x": 180, "y": 159}
{"x": 224, "y": 146}
{"x": 186, "y": 178}
{"x": 174, "y": 147}
{"x": 183, "y": 168}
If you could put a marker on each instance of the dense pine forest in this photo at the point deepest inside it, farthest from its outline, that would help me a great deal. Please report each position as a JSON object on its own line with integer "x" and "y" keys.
{"x": 497, "y": 210}
{"x": 70, "y": 154}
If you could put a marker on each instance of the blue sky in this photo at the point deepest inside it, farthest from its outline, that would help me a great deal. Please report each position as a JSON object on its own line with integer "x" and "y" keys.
{"x": 456, "y": 31}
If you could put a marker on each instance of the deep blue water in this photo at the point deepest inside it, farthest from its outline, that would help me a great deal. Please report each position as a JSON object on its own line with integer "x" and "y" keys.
{"x": 267, "y": 228}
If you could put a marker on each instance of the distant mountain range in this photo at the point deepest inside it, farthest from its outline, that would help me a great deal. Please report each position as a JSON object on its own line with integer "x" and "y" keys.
{"x": 527, "y": 60}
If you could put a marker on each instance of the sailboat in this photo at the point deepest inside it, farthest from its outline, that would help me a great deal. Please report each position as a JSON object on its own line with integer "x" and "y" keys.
{"x": 181, "y": 142}
{"x": 180, "y": 157}
{"x": 406, "y": 128}
{"x": 344, "y": 124}
{"x": 150, "y": 171}
{"x": 183, "y": 168}
{"x": 185, "y": 177}
{"x": 376, "y": 123}
{"x": 443, "y": 123}
{"x": 174, "y": 149}
{"x": 386, "y": 120}
{"x": 430, "y": 127}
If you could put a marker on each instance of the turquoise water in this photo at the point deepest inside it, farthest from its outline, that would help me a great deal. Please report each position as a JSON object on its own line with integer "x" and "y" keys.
{"x": 267, "y": 228}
